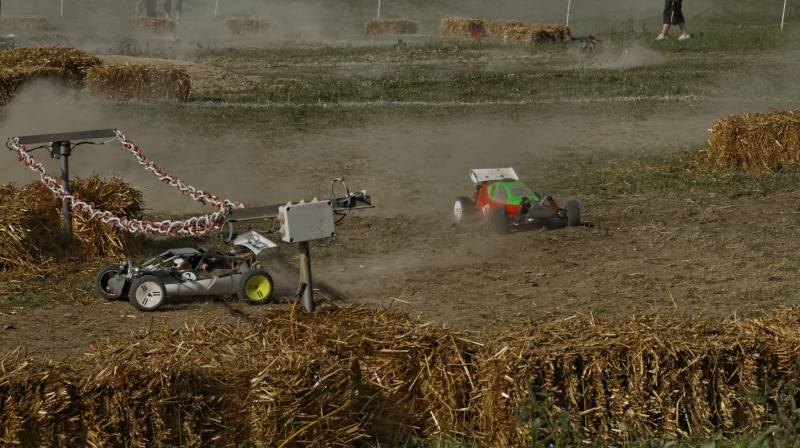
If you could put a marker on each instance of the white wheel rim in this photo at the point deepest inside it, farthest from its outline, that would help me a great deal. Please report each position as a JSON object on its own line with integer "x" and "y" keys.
{"x": 458, "y": 211}
{"x": 149, "y": 295}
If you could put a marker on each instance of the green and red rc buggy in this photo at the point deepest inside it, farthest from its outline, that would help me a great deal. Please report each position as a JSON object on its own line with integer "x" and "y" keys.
{"x": 506, "y": 203}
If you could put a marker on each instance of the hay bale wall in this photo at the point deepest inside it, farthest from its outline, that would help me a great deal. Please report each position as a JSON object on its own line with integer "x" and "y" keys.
{"x": 496, "y": 29}
{"x": 760, "y": 142}
{"x": 391, "y": 26}
{"x": 246, "y": 25}
{"x": 508, "y": 30}
{"x": 330, "y": 379}
{"x": 462, "y": 27}
{"x": 145, "y": 81}
{"x": 65, "y": 58}
{"x": 536, "y": 33}
{"x": 154, "y": 25}
{"x": 12, "y": 80}
{"x": 344, "y": 375}
{"x": 23, "y": 23}
{"x": 31, "y": 225}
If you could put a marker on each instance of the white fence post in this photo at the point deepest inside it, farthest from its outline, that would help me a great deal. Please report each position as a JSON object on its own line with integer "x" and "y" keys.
{"x": 784, "y": 14}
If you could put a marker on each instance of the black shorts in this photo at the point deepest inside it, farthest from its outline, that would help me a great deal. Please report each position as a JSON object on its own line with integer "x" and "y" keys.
{"x": 672, "y": 12}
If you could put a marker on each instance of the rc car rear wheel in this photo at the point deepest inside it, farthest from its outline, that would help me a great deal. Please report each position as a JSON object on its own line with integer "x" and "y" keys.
{"x": 499, "y": 221}
{"x": 147, "y": 293}
{"x": 255, "y": 286}
{"x": 464, "y": 210}
{"x": 101, "y": 279}
{"x": 573, "y": 213}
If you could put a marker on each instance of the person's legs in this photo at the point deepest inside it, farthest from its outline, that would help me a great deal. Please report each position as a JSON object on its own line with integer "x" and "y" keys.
{"x": 668, "y": 18}
{"x": 167, "y": 7}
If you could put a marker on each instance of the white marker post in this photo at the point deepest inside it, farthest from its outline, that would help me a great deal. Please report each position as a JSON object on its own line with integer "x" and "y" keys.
{"x": 216, "y": 7}
{"x": 379, "y": 9}
{"x": 568, "y": 5}
{"x": 783, "y": 15}
{"x": 62, "y": 7}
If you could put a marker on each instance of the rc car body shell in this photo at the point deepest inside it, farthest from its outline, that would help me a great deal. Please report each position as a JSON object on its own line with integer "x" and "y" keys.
{"x": 506, "y": 202}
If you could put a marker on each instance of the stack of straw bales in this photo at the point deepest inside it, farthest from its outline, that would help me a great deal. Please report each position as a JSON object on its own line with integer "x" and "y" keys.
{"x": 246, "y": 25}
{"x": 391, "y": 26}
{"x": 154, "y": 25}
{"x": 145, "y": 81}
{"x": 65, "y": 65}
{"x": 31, "y": 224}
{"x": 496, "y": 29}
{"x": 330, "y": 379}
{"x": 23, "y": 23}
{"x": 78, "y": 69}
{"x": 761, "y": 142}
{"x": 30, "y": 227}
{"x": 462, "y": 27}
{"x": 536, "y": 34}
{"x": 508, "y": 30}
{"x": 345, "y": 375}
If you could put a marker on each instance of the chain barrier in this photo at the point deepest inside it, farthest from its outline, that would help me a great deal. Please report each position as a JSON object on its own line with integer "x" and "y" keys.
{"x": 192, "y": 226}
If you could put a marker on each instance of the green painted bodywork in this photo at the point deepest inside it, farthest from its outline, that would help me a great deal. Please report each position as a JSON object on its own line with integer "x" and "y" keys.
{"x": 515, "y": 191}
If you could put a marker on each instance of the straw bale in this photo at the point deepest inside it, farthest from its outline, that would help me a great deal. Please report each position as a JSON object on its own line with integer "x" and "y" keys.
{"x": 332, "y": 378}
{"x": 66, "y": 58}
{"x": 391, "y": 26}
{"x": 96, "y": 238}
{"x": 30, "y": 230}
{"x": 139, "y": 81}
{"x": 496, "y": 29}
{"x": 536, "y": 33}
{"x": 246, "y": 25}
{"x": 31, "y": 223}
{"x": 462, "y": 27}
{"x": 12, "y": 80}
{"x": 643, "y": 377}
{"x": 760, "y": 142}
{"x": 343, "y": 376}
{"x": 23, "y": 23}
{"x": 154, "y": 25}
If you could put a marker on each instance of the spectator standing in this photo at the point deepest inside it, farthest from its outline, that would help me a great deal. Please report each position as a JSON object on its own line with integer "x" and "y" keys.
{"x": 178, "y": 7}
{"x": 673, "y": 16}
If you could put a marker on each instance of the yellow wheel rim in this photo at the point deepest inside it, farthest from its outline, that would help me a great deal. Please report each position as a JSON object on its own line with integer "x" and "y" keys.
{"x": 258, "y": 288}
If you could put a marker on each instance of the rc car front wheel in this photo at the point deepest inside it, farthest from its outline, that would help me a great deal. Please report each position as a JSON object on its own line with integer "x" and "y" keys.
{"x": 255, "y": 286}
{"x": 464, "y": 210}
{"x": 147, "y": 293}
{"x": 573, "y": 213}
{"x": 499, "y": 221}
{"x": 101, "y": 279}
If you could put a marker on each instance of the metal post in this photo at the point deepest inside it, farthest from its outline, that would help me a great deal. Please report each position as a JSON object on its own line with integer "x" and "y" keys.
{"x": 216, "y": 7}
{"x": 569, "y": 2}
{"x": 64, "y": 152}
{"x": 305, "y": 276}
{"x": 783, "y": 15}
{"x": 379, "y": 9}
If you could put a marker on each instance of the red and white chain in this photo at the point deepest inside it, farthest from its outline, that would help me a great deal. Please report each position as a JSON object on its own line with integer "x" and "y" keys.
{"x": 192, "y": 226}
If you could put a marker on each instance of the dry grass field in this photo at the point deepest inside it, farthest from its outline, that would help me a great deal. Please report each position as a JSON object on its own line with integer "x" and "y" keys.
{"x": 275, "y": 115}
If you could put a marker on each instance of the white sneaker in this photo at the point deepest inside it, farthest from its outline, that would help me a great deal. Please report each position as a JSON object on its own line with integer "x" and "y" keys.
{"x": 683, "y": 37}
{"x": 661, "y": 37}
